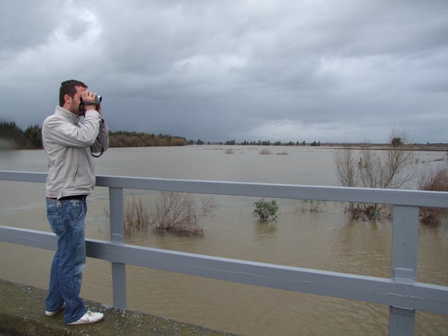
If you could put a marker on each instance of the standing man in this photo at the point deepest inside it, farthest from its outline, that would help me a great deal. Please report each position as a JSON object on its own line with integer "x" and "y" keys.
{"x": 70, "y": 147}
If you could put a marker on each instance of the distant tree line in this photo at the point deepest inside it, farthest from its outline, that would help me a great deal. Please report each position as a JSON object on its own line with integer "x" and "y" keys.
{"x": 13, "y": 137}
{"x": 140, "y": 139}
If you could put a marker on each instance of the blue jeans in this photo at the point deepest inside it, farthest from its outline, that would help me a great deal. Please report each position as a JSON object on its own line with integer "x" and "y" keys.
{"x": 67, "y": 221}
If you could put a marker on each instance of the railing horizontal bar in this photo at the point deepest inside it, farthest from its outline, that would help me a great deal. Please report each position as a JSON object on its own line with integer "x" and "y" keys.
{"x": 417, "y": 296}
{"x": 287, "y": 191}
{"x": 23, "y": 176}
{"x": 26, "y": 237}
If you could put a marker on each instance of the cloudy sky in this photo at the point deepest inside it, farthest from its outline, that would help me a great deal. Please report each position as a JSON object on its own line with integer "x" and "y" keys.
{"x": 303, "y": 70}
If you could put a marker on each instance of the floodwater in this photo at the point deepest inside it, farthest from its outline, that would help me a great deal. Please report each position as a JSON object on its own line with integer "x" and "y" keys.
{"x": 307, "y": 234}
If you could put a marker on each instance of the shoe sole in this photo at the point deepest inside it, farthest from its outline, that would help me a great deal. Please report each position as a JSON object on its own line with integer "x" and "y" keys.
{"x": 82, "y": 322}
{"x": 49, "y": 313}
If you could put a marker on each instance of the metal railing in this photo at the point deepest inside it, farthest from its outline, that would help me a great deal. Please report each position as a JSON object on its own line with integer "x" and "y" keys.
{"x": 401, "y": 292}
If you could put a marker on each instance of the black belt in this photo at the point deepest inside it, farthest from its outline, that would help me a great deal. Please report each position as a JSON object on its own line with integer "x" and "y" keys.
{"x": 75, "y": 197}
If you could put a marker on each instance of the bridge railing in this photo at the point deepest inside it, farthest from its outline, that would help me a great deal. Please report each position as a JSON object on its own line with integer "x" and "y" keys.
{"x": 401, "y": 292}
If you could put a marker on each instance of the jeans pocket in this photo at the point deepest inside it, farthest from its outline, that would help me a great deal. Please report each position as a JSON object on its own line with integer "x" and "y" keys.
{"x": 54, "y": 216}
{"x": 76, "y": 210}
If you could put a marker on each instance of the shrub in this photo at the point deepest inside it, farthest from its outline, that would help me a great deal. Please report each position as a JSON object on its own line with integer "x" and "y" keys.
{"x": 178, "y": 213}
{"x": 283, "y": 153}
{"x": 136, "y": 216}
{"x": 265, "y": 210}
{"x": 264, "y": 151}
{"x": 175, "y": 213}
{"x": 313, "y": 206}
{"x": 434, "y": 180}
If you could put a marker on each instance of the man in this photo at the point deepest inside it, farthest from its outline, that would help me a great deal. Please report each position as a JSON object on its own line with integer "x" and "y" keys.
{"x": 70, "y": 147}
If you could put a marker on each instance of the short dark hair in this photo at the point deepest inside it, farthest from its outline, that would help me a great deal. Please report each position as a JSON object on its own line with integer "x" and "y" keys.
{"x": 68, "y": 87}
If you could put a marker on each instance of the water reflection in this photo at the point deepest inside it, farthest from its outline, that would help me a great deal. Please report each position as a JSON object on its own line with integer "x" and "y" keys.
{"x": 265, "y": 231}
{"x": 363, "y": 247}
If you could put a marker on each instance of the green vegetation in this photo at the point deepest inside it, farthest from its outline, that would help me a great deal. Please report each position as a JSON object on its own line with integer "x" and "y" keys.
{"x": 197, "y": 142}
{"x": 135, "y": 139}
{"x": 265, "y": 211}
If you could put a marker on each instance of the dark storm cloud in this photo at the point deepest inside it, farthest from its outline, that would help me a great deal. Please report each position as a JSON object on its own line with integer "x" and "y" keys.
{"x": 244, "y": 70}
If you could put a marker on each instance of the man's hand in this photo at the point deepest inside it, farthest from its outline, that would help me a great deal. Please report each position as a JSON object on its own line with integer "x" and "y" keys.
{"x": 89, "y": 97}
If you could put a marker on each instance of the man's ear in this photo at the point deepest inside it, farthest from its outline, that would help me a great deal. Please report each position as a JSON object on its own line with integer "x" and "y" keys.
{"x": 67, "y": 99}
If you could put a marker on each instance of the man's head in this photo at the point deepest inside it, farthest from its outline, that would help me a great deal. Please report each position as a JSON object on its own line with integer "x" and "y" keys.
{"x": 70, "y": 94}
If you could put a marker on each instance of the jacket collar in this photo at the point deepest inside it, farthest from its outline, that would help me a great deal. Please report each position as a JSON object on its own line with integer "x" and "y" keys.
{"x": 67, "y": 114}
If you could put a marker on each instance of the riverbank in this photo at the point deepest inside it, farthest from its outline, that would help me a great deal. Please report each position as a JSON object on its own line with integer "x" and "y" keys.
{"x": 22, "y": 313}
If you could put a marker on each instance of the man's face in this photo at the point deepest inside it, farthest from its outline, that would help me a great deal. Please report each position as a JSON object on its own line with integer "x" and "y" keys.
{"x": 73, "y": 104}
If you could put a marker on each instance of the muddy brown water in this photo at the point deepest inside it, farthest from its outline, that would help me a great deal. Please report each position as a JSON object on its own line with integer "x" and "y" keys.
{"x": 324, "y": 239}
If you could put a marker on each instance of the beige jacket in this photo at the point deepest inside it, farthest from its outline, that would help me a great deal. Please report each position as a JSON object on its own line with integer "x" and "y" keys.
{"x": 69, "y": 146}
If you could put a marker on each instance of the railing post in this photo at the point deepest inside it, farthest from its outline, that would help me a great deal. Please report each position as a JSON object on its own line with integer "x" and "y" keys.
{"x": 117, "y": 237}
{"x": 404, "y": 265}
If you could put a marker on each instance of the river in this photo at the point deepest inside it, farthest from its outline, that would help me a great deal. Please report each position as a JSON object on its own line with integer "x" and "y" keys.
{"x": 324, "y": 239}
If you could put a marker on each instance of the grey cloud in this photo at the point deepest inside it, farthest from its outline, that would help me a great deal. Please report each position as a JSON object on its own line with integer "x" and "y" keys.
{"x": 22, "y": 25}
{"x": 235, "y": 69}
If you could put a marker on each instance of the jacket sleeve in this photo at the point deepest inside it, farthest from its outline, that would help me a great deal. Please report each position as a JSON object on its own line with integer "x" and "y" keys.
{"x": 75, "y": 135}
{"x": 102, "y": 141}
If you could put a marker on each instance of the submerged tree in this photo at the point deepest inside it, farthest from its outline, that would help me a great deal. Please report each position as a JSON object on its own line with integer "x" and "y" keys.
{"x": 392, "y": 168}
{"x": 176, "y": 213}
{"x": 179, "y": 213}
{"x": 434, "y": 180}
